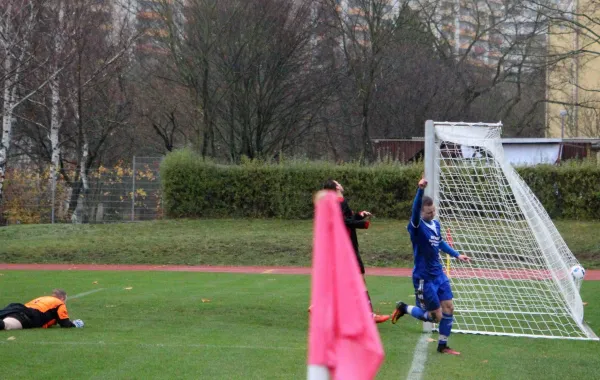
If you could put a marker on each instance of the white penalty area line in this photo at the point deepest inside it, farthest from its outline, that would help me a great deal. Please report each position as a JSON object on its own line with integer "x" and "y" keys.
{"x": 157, "y": 345}
{"x": 417, "y": 368}
{"x": 84, "y": 294}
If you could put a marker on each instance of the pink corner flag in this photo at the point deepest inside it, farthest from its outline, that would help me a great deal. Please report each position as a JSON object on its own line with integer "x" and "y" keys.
{"x": 342, "y": 335}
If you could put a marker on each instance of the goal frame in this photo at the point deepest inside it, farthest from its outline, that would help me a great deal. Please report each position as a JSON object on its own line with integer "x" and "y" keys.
{"x": 432, "y": 175}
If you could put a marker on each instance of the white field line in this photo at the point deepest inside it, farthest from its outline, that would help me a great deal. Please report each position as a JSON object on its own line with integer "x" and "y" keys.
{"x": 157, "y": 345}
{"x": 417, "y": 368}
{"x": 84, "y": 294}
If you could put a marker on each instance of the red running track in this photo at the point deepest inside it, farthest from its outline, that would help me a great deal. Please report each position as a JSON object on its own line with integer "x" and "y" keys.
{"x": 399, "y": 272}
{"x": 200, "y": 268}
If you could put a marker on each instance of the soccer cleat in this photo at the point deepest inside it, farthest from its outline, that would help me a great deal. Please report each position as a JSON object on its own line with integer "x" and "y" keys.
{"x": 443, "y": 349}
{"x": 309, "y": 308}
{"x": 380, "y": 318}
{"x": 400, "y": 311}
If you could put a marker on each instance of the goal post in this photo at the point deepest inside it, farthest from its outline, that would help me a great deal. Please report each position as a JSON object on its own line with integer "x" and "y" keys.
{"x": 431, "y": 174}
{"x": 519, "y": 281}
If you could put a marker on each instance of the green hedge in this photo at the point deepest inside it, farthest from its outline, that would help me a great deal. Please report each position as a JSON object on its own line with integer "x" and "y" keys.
{"x": 194, "y": 188}
{"x": 569, "y": 191}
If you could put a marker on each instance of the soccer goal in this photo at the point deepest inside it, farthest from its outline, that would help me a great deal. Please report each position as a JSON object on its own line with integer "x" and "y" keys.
{"x": 519, "y": 280}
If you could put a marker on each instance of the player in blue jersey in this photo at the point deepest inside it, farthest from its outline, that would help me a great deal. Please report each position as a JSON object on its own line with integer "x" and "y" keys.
{"x": 432, "y": 288}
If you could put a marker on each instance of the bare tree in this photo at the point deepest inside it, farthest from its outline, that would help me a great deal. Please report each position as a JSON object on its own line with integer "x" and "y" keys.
{"x": 58, "y": 44}
{"x": 574, "y": 47}
{"x": 488, "y": 45}
{"x": 249, "y": 69}
{"x": 91, "y": 45}
{"x": 365, "y": 30}
{"x": 19, "y": 20}
{"x": 274, "y": 88}
{"x": 163, "y": 110}
{"x": 98, "y": 99}
{"x": 191, "y": 39}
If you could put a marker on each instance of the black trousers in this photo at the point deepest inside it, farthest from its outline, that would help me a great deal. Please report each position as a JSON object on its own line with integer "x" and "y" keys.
{"x": 22, "y": 314}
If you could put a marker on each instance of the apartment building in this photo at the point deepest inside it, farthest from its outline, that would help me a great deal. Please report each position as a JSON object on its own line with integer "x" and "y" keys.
{"x": 573, "y": 79}
{"x": 487, "y": 31}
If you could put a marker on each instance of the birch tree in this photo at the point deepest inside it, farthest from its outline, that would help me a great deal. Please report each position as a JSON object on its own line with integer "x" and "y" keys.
{"x": 90, "y": 48}
{"x": 59, "y": 36}
{"x": 95, "y": 80}
{"x": 17, "y": 26}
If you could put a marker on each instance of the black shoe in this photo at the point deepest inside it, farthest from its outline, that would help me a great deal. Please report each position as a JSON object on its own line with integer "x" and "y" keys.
{"x": 399, "y": 312}
{"x": 444, "y": 349}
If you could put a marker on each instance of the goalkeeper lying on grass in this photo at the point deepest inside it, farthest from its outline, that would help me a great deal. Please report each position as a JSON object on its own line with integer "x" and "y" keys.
{"x": 432, "y": 287}
{"x": 41, "y": 312}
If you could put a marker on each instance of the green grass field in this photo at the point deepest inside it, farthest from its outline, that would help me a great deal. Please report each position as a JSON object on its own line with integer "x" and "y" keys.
{"x": 228, "y": 242}
{"x": 252, "y": 327}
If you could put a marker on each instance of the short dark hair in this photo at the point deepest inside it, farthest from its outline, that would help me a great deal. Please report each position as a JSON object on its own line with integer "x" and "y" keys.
{"x": 330, "y": 185}
{"x": 59, "y": 293}
{"x": 427, "y": 201}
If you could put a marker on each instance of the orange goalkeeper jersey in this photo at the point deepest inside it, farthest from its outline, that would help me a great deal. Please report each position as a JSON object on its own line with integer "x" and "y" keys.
{"x": 51, "y": 310}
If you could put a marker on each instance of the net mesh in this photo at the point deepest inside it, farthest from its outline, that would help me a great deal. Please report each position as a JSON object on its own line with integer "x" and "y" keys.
{"x": 518, "y": 281}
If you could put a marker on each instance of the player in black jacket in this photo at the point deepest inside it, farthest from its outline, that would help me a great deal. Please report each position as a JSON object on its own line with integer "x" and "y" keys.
{"x": 354, "y": 221}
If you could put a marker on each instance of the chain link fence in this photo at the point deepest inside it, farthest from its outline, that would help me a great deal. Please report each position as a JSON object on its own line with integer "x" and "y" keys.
{"x": 123, "y": 193}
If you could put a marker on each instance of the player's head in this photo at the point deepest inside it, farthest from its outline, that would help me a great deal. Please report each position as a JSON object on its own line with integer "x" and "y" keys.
{"x": 427, "y": 209}
{"x": 331, "y": 184}
{"x": 60, "y": 294}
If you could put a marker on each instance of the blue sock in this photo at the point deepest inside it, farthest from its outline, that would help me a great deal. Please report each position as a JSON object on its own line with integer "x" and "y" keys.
{"x": 418, "y": 313}
{"x": 445, "y": 328}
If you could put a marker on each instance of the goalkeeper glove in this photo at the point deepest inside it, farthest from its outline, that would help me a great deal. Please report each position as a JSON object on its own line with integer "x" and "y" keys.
{"x": 78, "y": 323}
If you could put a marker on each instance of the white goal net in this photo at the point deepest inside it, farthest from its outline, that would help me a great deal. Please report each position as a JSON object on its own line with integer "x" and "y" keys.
{"x": 519, "y": 280}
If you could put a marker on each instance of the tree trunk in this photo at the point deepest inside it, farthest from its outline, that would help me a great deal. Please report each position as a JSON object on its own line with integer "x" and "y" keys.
{"x": 7, "y": 123}
{"x": 367, "y": 152}
{"x": 55, "y": 120}
{"x": 74, "y": 203}
{"x": 85, "y": 186}
{"x": 331, "y": 142}
{"x": 232, "y": 151}
{"x": 54, "y": 143}
{"x": 206, "y": 135}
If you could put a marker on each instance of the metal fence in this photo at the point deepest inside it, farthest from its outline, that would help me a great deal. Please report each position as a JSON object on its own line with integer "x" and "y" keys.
{"x": 122, "y": 193}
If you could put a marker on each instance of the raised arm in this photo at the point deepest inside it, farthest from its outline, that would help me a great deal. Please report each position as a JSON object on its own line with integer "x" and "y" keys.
{"x": 415, "y": 216}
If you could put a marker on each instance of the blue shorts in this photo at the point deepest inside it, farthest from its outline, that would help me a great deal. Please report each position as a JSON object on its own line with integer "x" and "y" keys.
{"x": 429, "y": 293}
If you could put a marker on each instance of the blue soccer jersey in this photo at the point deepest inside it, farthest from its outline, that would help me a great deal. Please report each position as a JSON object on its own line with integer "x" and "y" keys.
{"x": 427, "y": 240}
